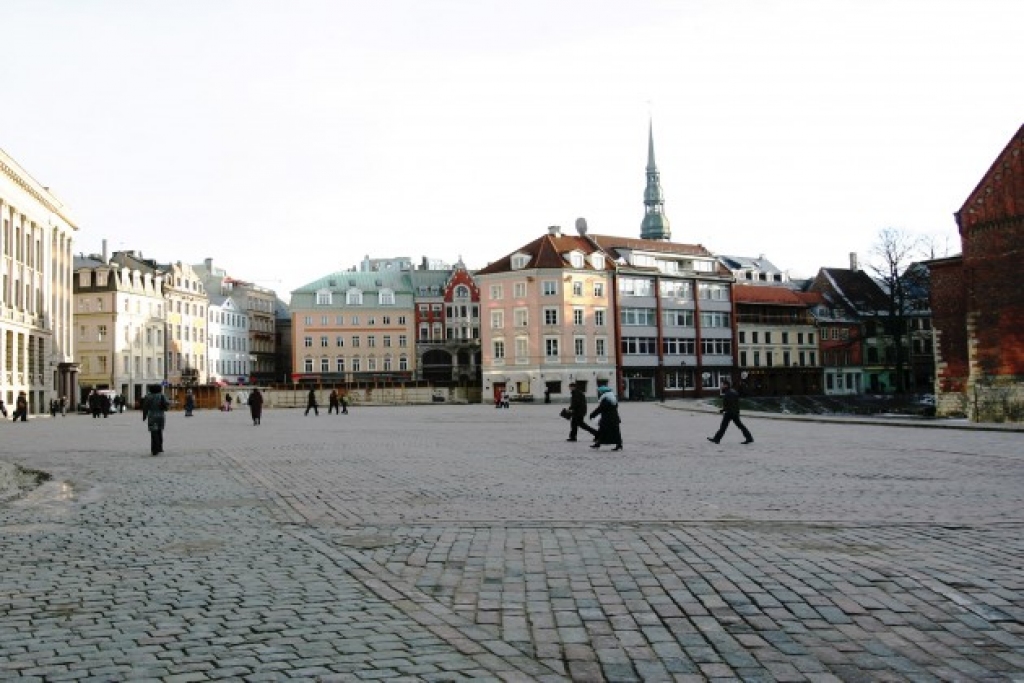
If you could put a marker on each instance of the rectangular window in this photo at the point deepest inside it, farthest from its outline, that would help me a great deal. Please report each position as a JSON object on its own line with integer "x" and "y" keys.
{"x": 577, "y": 288}
{"x": 580, "y": 347}
{"x": 632, "y": 346}
{"x": 714, "y": 319}
{"x": 551, "y": 347}
{"x": 638, "y": 317}
{"x": 743, "y": 336}
{"x": 679, "y": 379}
{"x": 635, "y": 286}
{"x": 671, "y": 346}
{"x": 677, "y": 318}
{"x": 785, "y": 337}
{"x": 496, "y": 292}
{"x": 387, "y": 341}
{"x": 497, "y": 320}
{"x": 403, "y": 341}
{"x": 577, "y": 317}
{"x": 550, "y": 316}
{"x": 598, "y": 289}
{"x": 676, "y": 289}
{"x": 716, "y": 347}
{"x": 324, "y": 342}
{"x": 339, "y": 364}
{"x": 549, "y": 288}
{"x": 522, "y": 349}
{"x": 307, "y": 342}
{"x": 768, "y": 337}
{"x": 786, "y": 359}
{"x": 599, "y": 317}
{"x": 743, "y": 358}
{"x": 499, "y": 349}
{"x": 325, "y": 364}
{"x": 371, "y": 340}
{"x": 522, "y": 317}
{"x": 339, "y": 341}
{"x": 713, "y": 292}
{"x": 356, "y": 364}
{"x": 600, "y": 347}
{"x": 519, "y": 290}
{"x": 355, "y": 341}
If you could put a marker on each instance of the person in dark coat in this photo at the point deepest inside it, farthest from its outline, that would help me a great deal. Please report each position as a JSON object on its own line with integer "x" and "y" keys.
{"x": 154, "y": 409}
{"x": 730, "y": 413}
{"x": 190, "y": 403}
{"x": 21, "y": 407}
{"x": 578, "y": 413}
{"x": 311, "y": 403}
{"x": 332, "y": 402}
{"x": 344, "y": 404}
{"x": 256, "y": 406}
{"x": 608, "y": 430}
{"x": 94, "y": 403}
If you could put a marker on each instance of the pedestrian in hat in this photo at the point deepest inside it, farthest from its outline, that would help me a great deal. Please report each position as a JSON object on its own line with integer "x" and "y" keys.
{"x": 608, "y": 429}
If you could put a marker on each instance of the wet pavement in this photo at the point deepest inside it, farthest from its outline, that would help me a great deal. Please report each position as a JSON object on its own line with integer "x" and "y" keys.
{"x": 449, "y": 543}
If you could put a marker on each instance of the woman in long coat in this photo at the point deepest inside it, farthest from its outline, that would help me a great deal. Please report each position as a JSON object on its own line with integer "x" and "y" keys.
{"x": 608, "y": 431}
{"x": 256, "y": 406}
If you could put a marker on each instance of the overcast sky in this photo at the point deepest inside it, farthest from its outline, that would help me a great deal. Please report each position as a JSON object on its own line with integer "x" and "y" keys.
{"x": 289, "y": 139}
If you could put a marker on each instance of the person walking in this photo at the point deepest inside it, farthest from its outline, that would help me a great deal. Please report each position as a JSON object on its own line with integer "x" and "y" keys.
{"x": 154, "y": 414}
{"x": 311, "y": 403}
{"x": 332, "y": 403}
{"x": 730, "y": 413}
{"x": 21, "y": 407}
{"x": 578, "y": 412}
{"x": 608, "y": 427}
{"x": 190, "y": 403}
{"x": 256, "y": 406}
{"x": 227, "y": 402}
{"x": 344, "y": 404}
{"x": 3, "y": 408}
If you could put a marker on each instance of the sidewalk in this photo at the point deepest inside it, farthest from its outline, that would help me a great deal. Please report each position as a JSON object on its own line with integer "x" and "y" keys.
{"x": 446, "y": 543}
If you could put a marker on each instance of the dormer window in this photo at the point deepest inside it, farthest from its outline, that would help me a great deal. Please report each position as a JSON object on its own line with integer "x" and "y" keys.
{"x": 576, "y": 259}
{"x": 386, "y": 297}
{"x": 520, "y": 261}
{"x": 323, "y": 297}
{"x": 354, "y": 297}
{"x": 597, "y": 260}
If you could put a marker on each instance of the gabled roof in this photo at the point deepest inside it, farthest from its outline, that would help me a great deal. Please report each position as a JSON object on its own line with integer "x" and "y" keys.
{"x": 758, "y": 263}
{"x": 544, "y": 252}
{"x": 854, "y": 288}
{"x": 1000, "y": 194}
{"x": 776, "y": 296}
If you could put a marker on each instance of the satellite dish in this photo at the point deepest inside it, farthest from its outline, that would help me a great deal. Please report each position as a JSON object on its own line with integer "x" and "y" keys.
{"x": 581, "y": 226}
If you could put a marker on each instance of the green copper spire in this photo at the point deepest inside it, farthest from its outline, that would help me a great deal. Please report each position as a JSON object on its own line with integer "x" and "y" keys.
{"x": 655, "y": 225}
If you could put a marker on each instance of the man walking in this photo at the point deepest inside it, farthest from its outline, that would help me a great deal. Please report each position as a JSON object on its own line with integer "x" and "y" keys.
{"x": 311, "y": 403}
{"x": 154, "y": 408}
{"x": 578, "y": 410}
{"x": 730, "y": 413}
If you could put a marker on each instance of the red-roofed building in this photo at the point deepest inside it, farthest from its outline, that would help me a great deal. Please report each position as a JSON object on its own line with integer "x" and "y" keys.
{"x": 547, "y": 319}
{"x": 978, "y": 302}
{"x": 778, "y": 341}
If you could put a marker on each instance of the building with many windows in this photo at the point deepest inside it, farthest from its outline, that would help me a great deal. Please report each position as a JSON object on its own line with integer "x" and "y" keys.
{"x": 778, "y": 341}
{"x": 674, "y": 317}
{"x": 36, "y": 263}
{"x": 547, "y": 315}
{"x": 354, "y": 327}
{"x": 447, "y": 324}
{"x": 186, "y": 304}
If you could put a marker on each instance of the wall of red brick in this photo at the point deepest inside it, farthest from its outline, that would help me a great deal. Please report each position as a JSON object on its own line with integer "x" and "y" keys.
{"x": 995, "y": 290}
{"x": 949, "y": 322}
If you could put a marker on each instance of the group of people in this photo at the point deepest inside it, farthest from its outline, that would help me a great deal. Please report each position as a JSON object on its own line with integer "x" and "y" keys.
{"x": 609, "y": 431}
{"x": 336, "y": 403}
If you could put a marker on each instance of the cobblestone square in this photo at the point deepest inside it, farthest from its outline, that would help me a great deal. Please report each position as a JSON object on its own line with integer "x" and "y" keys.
{"x": 447, "y": 543}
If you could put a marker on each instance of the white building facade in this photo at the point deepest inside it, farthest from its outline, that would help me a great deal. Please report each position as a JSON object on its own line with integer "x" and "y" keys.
{"x": 36, "y": 264}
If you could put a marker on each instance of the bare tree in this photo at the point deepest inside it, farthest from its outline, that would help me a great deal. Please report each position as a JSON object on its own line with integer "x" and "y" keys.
{"x": 893, "y": 255}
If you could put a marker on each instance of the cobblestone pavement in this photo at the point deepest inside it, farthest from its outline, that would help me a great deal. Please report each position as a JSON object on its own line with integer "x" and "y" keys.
{"x": 447, "y": 543}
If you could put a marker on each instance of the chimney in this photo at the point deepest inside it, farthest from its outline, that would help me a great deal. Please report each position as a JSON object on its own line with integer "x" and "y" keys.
{"x": 208, "y": 262}
{"x": 106, "y": 259}
{"x": 854, "y": 266}
{"x": 555, "y": 230}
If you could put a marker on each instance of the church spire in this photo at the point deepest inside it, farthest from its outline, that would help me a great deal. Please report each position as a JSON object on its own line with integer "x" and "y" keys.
{"x": 655, "y": 225}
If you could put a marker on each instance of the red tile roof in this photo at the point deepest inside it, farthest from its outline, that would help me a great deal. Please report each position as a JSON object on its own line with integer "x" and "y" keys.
{"x": 1000, "y": 194}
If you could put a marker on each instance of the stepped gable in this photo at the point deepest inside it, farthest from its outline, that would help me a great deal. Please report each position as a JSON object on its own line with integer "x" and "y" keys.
{"x": 1000, "y": 194}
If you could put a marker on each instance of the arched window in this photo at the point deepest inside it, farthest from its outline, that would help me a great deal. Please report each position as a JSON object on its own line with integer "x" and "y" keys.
{"x": 386, "y": 297}
{"x": 354, "y": 297}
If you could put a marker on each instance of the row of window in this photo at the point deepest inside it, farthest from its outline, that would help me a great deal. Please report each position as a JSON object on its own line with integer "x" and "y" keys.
{"x": 548, "y": 288}
{"x": 647, "y": 317}
{"x": 648, "y": 346}
{"x": 355, "y": 364}
{"x": 339, "y": 320}
{"x": 354, "y": 297}
{"x": 755, "y": 337}
{"x": 552, "y": 348}
{"x": 356, "y": 340}
{"x": 677, "y": 289}
{"x": 803, "y": 359}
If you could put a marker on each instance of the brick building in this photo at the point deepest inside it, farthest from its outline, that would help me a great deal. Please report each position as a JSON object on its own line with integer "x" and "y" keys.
{"x": 978, "y": 302}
